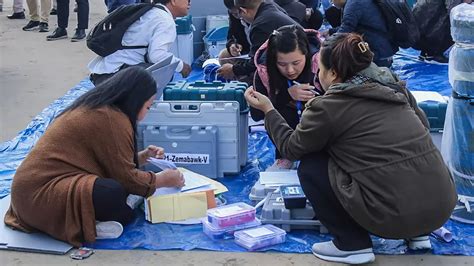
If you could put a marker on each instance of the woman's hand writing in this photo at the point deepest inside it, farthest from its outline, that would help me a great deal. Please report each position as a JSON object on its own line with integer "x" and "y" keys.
{"x": 169, "y": 178}
{"x": 301, "y": 92}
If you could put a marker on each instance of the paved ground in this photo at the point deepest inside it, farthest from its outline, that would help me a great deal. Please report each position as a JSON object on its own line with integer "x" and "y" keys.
{"x": 34, "y": 72}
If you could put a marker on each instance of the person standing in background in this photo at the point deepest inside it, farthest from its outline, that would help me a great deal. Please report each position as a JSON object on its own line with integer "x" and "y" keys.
{"x": 63, "y": 18}
{"x": 18, "y": 10}
{"x": 39, "y": 21}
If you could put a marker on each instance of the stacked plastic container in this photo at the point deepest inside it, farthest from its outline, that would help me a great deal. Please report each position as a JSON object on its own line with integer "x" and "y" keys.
{"x": 458, "y": 137}
{"x": 224, "y": 222}
{"x": 183, "y": 45}
{"x": 215, "y": 40}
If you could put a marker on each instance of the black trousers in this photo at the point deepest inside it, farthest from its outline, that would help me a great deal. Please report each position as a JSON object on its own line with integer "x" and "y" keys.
{"x": 110, "y": 201}
{"x": 82, "y": 13}
{"x": 291, "y": 117}
{"x": 313, "y": 174}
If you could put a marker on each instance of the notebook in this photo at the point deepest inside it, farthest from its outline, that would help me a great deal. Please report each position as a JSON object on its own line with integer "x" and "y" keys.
{"x": 35, "y": 242}
{"x": 162, "y": 72}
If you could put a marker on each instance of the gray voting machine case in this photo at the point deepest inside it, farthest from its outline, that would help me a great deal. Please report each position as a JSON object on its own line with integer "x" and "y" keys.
{"x": 274, "y": 212}
{"x": 35, "y": 242}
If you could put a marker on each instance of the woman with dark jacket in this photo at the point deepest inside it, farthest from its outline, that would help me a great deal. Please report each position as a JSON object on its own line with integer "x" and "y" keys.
{"x": 74, "y": 183}
{"x": 289, "y": 77}
{"x": 368, "y": 164}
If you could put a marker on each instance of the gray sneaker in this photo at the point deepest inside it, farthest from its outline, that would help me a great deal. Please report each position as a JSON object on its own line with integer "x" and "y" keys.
{"x": 420, "y": 242}
{"x": 108, "y": 230}
{"x": 43, "y": 27}
{"x": 32, "y": 25}
{"x": 329, "y": 252}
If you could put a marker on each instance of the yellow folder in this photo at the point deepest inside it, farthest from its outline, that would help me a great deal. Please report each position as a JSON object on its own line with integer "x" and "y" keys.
{"x": 177, "y": 207}
{"x": 181, "y": 206}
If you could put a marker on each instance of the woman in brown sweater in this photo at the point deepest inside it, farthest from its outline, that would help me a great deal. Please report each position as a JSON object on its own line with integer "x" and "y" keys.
{"x": 368, "y": 164}
{"x": 85, "y": 165}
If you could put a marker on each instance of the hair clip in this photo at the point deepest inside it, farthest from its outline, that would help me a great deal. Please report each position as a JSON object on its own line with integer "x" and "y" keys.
{"x": 363, "y": 47}
{"x": 275, "y": 32}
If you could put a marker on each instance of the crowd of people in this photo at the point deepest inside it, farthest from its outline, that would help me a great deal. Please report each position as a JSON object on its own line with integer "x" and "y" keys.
{"x": 328, "y": 99}
{"x": 41, "y": 10}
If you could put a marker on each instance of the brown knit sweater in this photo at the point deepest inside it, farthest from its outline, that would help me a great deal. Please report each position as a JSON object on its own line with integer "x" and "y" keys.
{"x": 52, "y": 188}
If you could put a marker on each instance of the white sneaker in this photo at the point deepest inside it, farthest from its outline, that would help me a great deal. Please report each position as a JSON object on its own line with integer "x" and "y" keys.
{"x": 108, "y": 230}
{"x": 420, "y": 242}
{"x": 133, "y": 201}
{"x": 329, "y": 252}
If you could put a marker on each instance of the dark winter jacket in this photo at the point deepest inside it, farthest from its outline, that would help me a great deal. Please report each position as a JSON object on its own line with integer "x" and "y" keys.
{"x": 236, "y": 34}
{"x": 268, "y": 18}
{"x": 432, "y": 18}
{"x": 383, "y": 166}
{"x": 364, "y": 17}
{"x": 294, "y": 9}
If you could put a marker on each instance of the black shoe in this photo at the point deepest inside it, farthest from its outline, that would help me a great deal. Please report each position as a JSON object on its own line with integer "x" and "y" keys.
{"x": 53, "y": 12}
{"x": 43, "y": 27}
{"x": 437, "y": 58}
{"x": 59, "y": 33}
{"x": 79, "y": 35}
{"x": 31, "y": 25}
{"x": 17, "y": 15}
{"x": 440, "y": 59}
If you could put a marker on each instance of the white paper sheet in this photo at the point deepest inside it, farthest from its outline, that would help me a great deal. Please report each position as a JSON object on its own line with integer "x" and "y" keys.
{"x": 193, "y": 183}
{"x": 162, "y": 164}
{"x": 279, "y": 178}
{"x": 424, "y": 96}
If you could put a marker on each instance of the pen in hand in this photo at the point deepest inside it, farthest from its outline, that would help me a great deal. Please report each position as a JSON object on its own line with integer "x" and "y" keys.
{"x": 312, "y": 90}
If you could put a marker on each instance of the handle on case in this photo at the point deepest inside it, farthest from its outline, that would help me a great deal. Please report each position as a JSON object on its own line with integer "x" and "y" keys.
{"x": 185, "y": 107}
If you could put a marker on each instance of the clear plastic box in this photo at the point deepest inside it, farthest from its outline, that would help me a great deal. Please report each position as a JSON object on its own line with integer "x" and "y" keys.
{"x": 216, "y": 233}
{"x": 260, "y": 237}
{"x": 232, "y": 214}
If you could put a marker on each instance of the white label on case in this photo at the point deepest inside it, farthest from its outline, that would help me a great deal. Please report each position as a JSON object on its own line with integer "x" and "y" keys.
{"x": 187, "y": 158}
{"x": 232, "y": 210}
{"x": 258, "y": 232}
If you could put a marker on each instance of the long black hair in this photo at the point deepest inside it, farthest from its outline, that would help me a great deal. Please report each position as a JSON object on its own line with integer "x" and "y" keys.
{"x": 127, "y": 91}
{"x": 286, "y": 40}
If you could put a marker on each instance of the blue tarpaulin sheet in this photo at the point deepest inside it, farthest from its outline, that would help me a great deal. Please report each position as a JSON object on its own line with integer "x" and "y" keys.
{"x": 143, "y": 235}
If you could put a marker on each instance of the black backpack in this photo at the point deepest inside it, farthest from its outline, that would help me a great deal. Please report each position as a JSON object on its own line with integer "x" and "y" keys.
{"x": 400, "y": 22}
{"x": 106, "y": 36}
